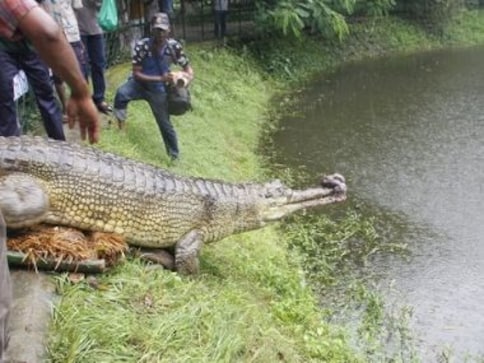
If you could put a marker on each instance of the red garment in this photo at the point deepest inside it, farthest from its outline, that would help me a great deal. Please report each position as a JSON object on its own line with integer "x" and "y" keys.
{"x": 11, "y": 13}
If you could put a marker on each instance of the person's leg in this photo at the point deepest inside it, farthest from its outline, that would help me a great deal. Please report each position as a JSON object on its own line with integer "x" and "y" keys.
{"x": 80, "y": 52}
{"x": 59, "y": 84}
{"x": 216, "y": 23}
{"x": 170, "y": 11}
{"x": 87, "y": 59}
{"x": 60, "y": 89}
{"x": 8, "y": 120}
{"x": 159, "y": 107}
{"x": 128, "y": 91}
{"x": 97, "y": 62}
{"x": 5, "y": 291}
{"x": 223, "y": 23}
{"x": 39, "y": 78}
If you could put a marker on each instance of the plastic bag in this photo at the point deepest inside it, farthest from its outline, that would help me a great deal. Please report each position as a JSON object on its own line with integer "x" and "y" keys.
{"x": 108, "y": 15}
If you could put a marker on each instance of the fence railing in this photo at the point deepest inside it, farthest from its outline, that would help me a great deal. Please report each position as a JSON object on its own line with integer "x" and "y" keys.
{"x": 192, "y": 21}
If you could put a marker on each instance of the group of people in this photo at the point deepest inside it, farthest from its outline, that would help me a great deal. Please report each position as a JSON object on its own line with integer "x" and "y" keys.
{"x": 62, "y": 36}
{"x": 78, "y": 23}
{"x": 22, "y": 20}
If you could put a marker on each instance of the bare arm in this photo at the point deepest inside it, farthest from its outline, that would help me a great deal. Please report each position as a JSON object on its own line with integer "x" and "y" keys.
{"x": 142, "y": 77}
{"x": 53, "y": 48}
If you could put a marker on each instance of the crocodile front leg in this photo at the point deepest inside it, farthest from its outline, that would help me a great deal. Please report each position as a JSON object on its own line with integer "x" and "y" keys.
{"x": 187, "y": 251}
{"x": 23, "y": 201}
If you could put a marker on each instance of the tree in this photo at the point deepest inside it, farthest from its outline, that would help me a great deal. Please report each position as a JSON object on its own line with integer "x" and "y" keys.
{"x": 324, "y": 17}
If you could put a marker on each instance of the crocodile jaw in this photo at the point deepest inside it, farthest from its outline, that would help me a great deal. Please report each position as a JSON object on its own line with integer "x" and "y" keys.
{"x": 333, "y": 190}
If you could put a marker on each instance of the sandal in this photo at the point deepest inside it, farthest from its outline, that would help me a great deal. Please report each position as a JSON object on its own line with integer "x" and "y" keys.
{"x": 104, "y": 108}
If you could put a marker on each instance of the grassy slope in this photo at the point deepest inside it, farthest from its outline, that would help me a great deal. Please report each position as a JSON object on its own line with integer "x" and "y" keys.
{"x": 249, "y": 304}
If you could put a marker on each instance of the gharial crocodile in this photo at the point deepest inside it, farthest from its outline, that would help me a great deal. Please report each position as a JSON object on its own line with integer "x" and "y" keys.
{"x": 67, "y": 184}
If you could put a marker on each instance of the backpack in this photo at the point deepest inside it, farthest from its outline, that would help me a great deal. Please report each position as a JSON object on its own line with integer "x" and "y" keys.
{"x": 179, "y": 100}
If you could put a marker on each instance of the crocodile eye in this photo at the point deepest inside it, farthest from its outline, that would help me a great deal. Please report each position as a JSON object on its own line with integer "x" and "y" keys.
{"x": 275, "y": 189}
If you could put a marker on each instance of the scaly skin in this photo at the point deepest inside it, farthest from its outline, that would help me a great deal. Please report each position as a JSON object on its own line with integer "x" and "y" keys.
{"x": 67, "y": 184}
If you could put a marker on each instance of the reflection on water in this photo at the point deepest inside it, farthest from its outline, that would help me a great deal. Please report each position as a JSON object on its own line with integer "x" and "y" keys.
{"x": 408, "y": 134}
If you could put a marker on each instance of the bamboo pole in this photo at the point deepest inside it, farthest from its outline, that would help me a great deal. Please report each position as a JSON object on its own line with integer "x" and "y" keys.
{"x": 20, "y": 259}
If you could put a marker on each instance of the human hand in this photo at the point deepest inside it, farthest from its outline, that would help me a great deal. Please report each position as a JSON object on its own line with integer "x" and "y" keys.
{"x": 168, "y": 77}
{"x": 83, "y": 110}
{"x": 181, "y": 79}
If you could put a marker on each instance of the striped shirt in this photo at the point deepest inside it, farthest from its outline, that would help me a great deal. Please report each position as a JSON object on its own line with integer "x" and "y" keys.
{"x": 11, "y": 13}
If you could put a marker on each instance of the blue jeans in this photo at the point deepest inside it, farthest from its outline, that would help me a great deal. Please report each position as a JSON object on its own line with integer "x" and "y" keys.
{"x": 220, "y": 24}
{"x": 132, "y": 90}
{"x": 79, "y": 51}
{"x": 95, "y": 65}
{"x": 41, "y": 84}
{"x": 166, "y": 6}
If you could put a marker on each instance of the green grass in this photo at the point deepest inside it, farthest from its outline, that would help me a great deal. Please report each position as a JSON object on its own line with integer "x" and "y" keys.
{"x": 252, "y": 302}
{"x": 248, "y": 304}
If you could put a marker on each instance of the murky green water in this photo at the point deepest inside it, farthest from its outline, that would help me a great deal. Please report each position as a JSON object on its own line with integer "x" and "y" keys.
{"x": 408, "y": 134}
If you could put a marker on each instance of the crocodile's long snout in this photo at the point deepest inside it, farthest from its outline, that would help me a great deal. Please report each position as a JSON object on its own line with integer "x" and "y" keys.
{"x": 332, "y": 190}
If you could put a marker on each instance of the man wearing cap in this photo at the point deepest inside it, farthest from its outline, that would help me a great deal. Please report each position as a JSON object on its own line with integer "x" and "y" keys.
{"x": 150, "y": 74}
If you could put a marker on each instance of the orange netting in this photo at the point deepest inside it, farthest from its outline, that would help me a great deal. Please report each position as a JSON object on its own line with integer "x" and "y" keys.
{"x": 65, "y": 244}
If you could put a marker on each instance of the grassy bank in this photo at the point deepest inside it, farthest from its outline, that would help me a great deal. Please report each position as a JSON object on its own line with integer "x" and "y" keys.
{"x": 250, "y": 303}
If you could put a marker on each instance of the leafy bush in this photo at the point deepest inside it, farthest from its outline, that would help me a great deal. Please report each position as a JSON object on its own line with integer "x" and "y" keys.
{"x": 374, "y": 8}
{"x": 434, "y": 15}
{"x": 292, "y": 17}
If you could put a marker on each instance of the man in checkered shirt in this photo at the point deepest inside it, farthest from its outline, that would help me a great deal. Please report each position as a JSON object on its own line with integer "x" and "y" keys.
{"x": 24, "y": 18}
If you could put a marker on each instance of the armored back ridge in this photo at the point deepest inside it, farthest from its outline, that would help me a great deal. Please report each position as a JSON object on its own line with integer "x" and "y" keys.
{"x": 59, "y": 183}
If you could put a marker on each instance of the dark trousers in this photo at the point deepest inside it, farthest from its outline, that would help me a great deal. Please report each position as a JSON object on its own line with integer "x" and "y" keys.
{"x": 5, "y": 291}
{"x": 40, "y": 83}
{"x": 132, "y": 90}
{"x": 95, "y": 65}
{"x": 220, "y": 25}
{"x": 78, "y": 48}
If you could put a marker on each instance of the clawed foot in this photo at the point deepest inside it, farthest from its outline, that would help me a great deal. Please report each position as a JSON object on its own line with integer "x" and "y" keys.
{"x": 158, "y": 256}
{"x": 334, "y": 181}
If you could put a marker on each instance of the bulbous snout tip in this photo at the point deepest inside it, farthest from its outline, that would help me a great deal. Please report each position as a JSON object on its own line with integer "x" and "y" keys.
{"x": 334, "y": 181}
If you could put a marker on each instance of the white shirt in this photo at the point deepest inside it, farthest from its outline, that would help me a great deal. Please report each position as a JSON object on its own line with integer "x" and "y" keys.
{"x": 63, "y": 13}
{"x": 221, "y": 5}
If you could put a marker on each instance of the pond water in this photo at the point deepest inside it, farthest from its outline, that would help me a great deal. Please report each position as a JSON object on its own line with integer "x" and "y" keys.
{"x": 408, "y": 134}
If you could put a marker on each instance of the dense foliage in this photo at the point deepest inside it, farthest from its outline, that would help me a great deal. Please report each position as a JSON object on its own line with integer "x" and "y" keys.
{"x": 330, "y": 18}
{"x": 434, "y": 15}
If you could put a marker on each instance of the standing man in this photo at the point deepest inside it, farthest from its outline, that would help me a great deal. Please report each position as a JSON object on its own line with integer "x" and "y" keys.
{"x": 93, "y": 40}
{"x": 15, "y": 56}
{"x": 24, "y": 18}
{"x": 151, "y": 72}
{"x": 221, "y": 10}
{"x": 63, "y": 13}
